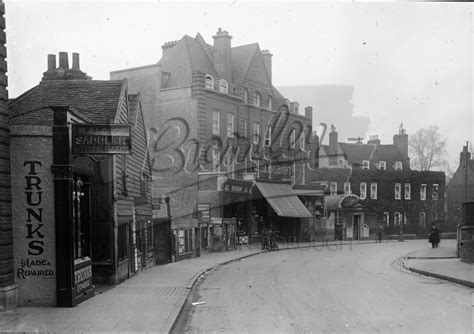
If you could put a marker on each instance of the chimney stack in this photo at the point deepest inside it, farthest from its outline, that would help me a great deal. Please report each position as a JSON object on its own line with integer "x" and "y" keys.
{"x": 374, "y": 140}
{"x": 75, "y": 62}
{"x": 166, "y": 48}
{"x": 223, "y": 54}
{"x": 400, "y": 140}
{"x": 51, "y": 62}
{"x": 464, "y": 157}
{"x": 267, "y": 59}
{"x": 63, "y": 72}
{"x": 63, "y": 60}
{"x": 333, "y": 140}
{"x": 308, "y": 112}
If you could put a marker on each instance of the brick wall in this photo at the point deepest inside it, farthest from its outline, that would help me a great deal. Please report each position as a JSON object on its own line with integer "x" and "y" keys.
{"x": 8, "y": 291}
{"x": 33, "y": 215}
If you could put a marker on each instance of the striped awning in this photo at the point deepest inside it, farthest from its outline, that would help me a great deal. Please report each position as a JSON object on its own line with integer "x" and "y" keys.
{"x": 283, "y": 200}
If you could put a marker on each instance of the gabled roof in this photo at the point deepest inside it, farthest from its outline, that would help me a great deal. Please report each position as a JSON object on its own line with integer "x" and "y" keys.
{"x": 241, "y": 58}
{"x": 133, "y": 100}
{"x": 357, "y": 152}
{"x": 95, "y": 99}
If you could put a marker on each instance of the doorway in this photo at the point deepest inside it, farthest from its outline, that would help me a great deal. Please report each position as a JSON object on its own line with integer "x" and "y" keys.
{"x": 357, "y": 221}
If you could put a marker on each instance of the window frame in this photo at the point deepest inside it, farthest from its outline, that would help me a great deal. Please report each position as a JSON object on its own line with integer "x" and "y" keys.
{"x": 246, "y": 96}
{"x": 216, "y": 123}
{"x": 398, "y": 165}
{"x": 407, "y": 192}
{"x": 223, "y": 86}
{"x": 422, "y": 222}
{"x": 365, "y": 164}
{"x": 256, "y": 133}
{"x": 423, "y": 187}
{"x": 216, "y": 157}
{"x": 268, "y": 136}
{"x": 435, "y": 192}
{"x": 347, "y": 188}
{"x": 258, "y": 99}
{"x": 292, "y": 143}
{"x": 333, "y": 188}
{"x": 399, "y": 187}
{"x": 363, "y": 194}
{"x": 211, "y": 86}
{"x": 230, "y": 125}
{"x": 384, "y": 164}
{"x": 397, "y": 218}
{"x": 373, "y": 193}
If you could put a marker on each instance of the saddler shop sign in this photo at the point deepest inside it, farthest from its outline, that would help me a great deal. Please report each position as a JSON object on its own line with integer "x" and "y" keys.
{"x": 101, "y": 139}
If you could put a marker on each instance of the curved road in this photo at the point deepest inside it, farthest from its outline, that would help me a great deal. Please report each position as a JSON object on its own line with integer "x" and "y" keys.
{"x": 359, "y": 288}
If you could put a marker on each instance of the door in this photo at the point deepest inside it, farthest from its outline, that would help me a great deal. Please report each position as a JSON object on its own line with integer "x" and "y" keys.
{"x": 162, "y": 241}
{"x": 197, "y": 241}
{"x": 357, "y": 220}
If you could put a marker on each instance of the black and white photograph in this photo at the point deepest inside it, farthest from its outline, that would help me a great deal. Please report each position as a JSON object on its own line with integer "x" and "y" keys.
{"x": 236, "y": 166}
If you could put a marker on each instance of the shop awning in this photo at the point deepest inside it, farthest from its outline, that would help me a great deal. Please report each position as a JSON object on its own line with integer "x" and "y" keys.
{"x": 283, "y": 200}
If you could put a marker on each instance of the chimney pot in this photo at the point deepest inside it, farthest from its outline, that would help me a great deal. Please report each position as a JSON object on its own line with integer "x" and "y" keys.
{"x": 63, "y": 60}
{"x": 51, "y": 62}
{"x": 75, "y": 62}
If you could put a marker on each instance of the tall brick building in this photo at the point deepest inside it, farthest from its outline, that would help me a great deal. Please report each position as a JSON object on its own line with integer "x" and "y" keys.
{"x": 215, "y": 118}
{"x": 396, "y": 197}
{"x": 8, "y": 289}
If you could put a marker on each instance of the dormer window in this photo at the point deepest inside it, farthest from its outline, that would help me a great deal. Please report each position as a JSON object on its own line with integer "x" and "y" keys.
{"x": 382, "y": 165}
{"x": 223, "y": 86}
{"x": 365, "y": 164}
{"x": 209, "y": 82}
{"x": 258, "y": 99}
{"x": 270, "y": 102}
{"x": 398, "y": 165}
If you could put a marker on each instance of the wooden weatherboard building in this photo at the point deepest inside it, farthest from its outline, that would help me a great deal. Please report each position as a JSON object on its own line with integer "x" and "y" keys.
{"x": 82, "y": 212}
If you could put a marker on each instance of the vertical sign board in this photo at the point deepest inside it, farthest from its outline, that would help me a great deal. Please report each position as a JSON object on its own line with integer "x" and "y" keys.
{"x": 82, "y": 279}
{"x": 101, "y": 139}
{"x": 33, "y": 216}
{"x": 204, "y": 212}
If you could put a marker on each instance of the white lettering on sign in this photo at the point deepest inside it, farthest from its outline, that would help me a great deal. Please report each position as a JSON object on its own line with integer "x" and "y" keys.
{"x": 82, "y": 274}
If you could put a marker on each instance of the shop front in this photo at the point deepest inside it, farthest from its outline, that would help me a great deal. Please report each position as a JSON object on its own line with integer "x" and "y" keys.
{"x": 279, "y": 208}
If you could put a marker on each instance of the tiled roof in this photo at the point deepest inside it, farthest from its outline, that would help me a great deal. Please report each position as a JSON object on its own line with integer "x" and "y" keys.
{"x": 356, "y": 153}
{"x": 241, "y": 58}
{"x": 97, "y": 100}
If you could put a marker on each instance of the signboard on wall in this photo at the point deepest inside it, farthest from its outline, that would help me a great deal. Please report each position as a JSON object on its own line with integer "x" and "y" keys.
{"x": 204, "y": 212}
{"x": 101, "y": 139}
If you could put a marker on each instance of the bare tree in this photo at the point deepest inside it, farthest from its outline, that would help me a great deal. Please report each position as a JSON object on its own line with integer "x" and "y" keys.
{"x": 428, "y": 149}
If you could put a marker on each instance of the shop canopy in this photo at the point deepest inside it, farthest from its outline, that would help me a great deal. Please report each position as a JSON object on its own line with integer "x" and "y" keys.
{"x": 283, "y": 200}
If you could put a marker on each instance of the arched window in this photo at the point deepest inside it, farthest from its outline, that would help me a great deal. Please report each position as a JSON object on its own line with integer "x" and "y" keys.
{"x": 270, "y": 102}
{"x": 246, "y": 96}
{"x": 258, "y": 99}
{"x": 209, "y": 82}
{"x": 223, "y": 86}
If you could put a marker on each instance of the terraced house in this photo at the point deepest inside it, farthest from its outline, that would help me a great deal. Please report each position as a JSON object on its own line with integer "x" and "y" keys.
{"x": 217, "y": 127}
{"x": 398, "y": 199}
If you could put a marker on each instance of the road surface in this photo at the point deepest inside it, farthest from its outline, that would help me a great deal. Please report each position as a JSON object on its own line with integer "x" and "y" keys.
{"x": 332, "y": 289}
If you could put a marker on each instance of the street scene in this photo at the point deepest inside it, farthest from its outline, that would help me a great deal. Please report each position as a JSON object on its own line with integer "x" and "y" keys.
{"x": 236, "y": 167}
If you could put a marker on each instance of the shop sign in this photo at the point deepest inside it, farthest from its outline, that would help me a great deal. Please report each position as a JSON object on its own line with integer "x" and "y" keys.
{"x": 82, "y": 276}
{"x": 101, "y": 139}
{"x": 204, "y": 212}
{"x": 277, "y": 171}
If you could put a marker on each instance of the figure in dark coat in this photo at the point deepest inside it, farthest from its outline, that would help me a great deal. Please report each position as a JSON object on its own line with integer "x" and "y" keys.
{"x": 434, "y": 236}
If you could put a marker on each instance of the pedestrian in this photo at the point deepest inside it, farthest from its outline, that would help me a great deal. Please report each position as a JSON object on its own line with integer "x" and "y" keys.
{"x": 434, "y": 236}
{"x": 379, "y": 236}
{"x": 264, "y": 238}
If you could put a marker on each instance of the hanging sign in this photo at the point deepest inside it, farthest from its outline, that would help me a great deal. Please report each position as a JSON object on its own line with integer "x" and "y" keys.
{"x": 101, "y": 139}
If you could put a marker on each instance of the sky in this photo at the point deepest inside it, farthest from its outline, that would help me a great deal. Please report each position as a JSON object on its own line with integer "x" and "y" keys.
{"x": 407, "y": 62}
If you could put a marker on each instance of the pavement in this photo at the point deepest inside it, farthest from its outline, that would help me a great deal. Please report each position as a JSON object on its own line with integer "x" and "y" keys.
{"x": 441, "y": 263}
{"x": 152, "y": 300}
